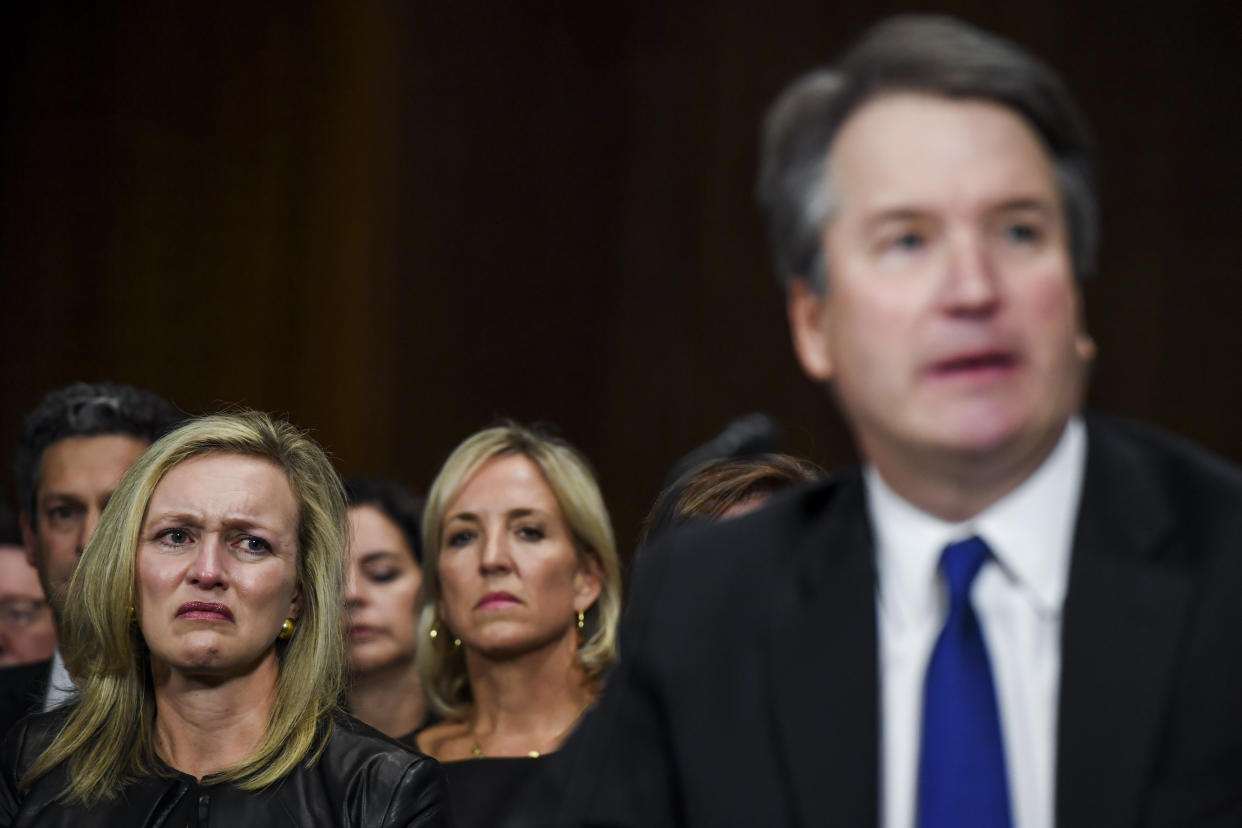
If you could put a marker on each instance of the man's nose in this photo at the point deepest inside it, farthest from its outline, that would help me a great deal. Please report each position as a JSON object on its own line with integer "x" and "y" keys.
{"x": 209, "y": 568}
{"x": 971, "y": 286}
{"x": 90, "y": 522}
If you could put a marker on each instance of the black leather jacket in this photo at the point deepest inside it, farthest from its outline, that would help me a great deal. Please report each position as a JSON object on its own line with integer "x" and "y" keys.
{"x": 361, "y": 780}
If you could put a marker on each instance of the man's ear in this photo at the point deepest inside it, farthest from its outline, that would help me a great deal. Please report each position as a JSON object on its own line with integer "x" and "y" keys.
{"x": 808, "y": 327}
{"x": 28, "y": 538}
{"x": 1084, "y": 345}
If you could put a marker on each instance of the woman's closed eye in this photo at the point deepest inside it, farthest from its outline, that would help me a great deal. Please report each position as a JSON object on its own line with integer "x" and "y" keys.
{"x": 381, "y": 575}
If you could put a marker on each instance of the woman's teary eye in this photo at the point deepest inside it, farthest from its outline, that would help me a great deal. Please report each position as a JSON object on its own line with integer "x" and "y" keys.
{"x": 174, "y": 537}
{"x": 255, "y": 545}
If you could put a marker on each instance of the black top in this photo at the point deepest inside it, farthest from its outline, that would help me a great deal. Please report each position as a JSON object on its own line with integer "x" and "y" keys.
{"x": 361, "y": 780}
{"x": 485, "y": 792}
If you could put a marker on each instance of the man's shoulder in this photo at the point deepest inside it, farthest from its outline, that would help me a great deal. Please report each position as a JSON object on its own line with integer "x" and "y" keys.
{"x": 21, "y": 691}
{"x": 723, "y": 566}
{"x": 27, "y": 740}
{"x": 775, "y": 528}
{"x": 1185, "y": 472}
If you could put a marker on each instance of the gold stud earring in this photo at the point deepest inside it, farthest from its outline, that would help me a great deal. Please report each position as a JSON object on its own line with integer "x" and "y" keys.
{"x": 581, "y": 628}
{"x": 286, "y": 629}
{"x": 457, "y": 643}
{"x": 133, "y": 616}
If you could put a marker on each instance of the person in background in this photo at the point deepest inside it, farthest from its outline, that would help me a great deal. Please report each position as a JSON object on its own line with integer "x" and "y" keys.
{"x": 205, "y": 628}
{"x": 727, "y": 487}
{"x": 521, "y": 599}
{"x": 73, "y": 448}
{"x": 27, "y": 632}
{"x": 382, "y": 583}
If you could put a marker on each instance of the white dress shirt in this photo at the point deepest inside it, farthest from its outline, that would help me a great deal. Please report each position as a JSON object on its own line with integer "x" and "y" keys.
{"x": 60, "y": 687}
{"x": 1017, "y": 596}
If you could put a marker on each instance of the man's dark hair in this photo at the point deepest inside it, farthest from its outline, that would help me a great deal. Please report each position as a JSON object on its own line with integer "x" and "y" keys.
{"x": 10, "y": 531}
{"x": 913, "y": 53}
{"x": 397, "y": 503}
{"x": 86, "y": 410}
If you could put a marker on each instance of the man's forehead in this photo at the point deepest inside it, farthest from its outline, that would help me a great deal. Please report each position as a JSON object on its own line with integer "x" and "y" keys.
{"x": 83, "y": 464}
{"x": 901, "y": 148}
{"x": 16, "y": 573}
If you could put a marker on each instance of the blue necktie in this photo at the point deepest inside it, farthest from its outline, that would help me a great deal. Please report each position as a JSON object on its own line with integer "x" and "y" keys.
{"x": 962, "y": 781}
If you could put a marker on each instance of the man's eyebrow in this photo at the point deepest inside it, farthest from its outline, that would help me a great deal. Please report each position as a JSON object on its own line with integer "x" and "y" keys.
{"x": 884, "y": 215}
{"x": 1032, "y": 203}
{"x": 46, "y": 496}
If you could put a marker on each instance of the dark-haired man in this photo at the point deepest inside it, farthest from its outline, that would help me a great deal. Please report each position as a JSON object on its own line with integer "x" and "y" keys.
{"x": 1014, "y": 614}
{"x": 73, "y": 449}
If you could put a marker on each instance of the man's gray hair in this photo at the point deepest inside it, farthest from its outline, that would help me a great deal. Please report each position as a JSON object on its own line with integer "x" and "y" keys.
{"x": 912, "y": 53}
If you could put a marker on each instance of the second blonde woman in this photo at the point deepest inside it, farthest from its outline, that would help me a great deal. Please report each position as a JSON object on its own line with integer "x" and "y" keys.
{"x": 521, "y": 600}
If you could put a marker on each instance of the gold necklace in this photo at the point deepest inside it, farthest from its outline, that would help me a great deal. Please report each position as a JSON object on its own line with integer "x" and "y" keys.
{"x": 476, "y": 750}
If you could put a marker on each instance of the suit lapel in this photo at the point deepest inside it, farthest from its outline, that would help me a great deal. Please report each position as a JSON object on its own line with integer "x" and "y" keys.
{"x": 822, "y": 667}
{"x": 1124, "y": 612}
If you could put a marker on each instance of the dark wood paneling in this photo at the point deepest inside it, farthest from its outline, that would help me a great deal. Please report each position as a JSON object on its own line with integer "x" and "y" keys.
{"x": 398, "y": 221}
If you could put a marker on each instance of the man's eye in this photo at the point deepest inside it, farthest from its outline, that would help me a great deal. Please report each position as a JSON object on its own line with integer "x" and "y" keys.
{"x": 1022, "y": 232}
{"x": 63, "y": 512}
{"x": 175, "y": 537}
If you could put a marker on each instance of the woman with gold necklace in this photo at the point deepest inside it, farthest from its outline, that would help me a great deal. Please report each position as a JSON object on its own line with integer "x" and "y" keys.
{"x": 521, "y": 601}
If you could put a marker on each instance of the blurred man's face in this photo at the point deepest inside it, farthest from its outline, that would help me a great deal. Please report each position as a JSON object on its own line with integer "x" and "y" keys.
{"x": 950, "y": 327}
{"x": 27, "y": 632}
{"x": 77, "y": 476}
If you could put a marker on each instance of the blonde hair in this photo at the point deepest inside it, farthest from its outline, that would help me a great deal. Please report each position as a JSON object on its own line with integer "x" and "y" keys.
{"x": 442, "y": 665}
{"x": 108, "y": 736}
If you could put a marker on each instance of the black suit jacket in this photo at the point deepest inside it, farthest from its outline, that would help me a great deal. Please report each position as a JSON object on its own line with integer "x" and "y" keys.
{"x": 747, "y": 692}
{"x": 22, "y": 689}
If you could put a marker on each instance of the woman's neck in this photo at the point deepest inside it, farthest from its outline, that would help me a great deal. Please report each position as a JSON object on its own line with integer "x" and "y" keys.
{"x": 528, "y": 703}
{"x": 206, "y": 724}
{"x": 389, "y": 699}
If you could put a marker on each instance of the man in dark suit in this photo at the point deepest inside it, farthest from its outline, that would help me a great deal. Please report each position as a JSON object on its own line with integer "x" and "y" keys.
{"x": 1014, "y": 614}
{"x": 73, "y": 449}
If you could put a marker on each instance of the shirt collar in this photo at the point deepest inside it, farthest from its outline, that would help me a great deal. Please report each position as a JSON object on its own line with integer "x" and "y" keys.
{"x": 1030, "y": 532}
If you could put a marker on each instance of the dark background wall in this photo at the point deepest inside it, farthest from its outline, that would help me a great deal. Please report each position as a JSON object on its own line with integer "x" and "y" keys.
{"x": 398, "y": 221}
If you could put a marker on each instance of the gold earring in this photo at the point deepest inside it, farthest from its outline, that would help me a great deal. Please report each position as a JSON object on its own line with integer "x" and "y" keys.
{"x": 581, "y": 628}
{"x": 133, "y": 616}
{"x": 286, "y": 629}
{"x": 457, "y": 643}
